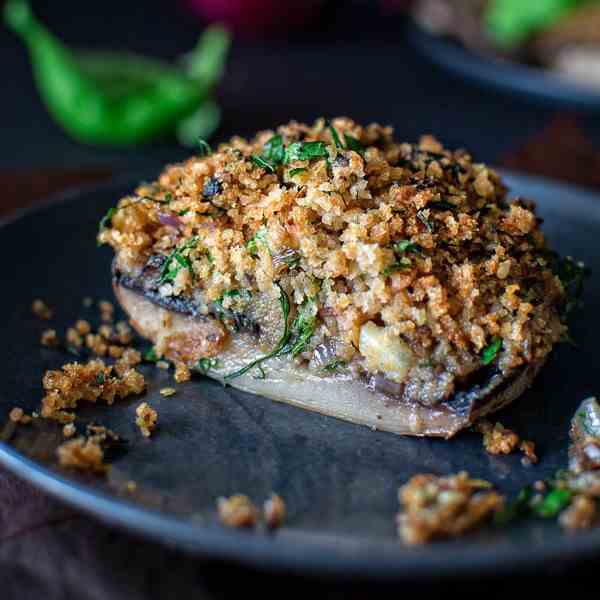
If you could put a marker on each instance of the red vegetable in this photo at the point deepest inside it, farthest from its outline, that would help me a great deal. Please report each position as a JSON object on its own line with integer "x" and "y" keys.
{"x": 256, "y": 16}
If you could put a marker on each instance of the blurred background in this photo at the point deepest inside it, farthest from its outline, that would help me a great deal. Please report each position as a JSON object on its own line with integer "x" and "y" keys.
{"x": 287, "y": 60}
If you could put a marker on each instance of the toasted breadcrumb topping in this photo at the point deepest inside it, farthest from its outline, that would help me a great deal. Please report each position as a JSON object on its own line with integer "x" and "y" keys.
{"x": 414, "y": 237}
{"x": 88, "y": 382}
{"x": 443, "y": 507}
{"x": 237, "y": 511}
{"x": 146, "y": 419}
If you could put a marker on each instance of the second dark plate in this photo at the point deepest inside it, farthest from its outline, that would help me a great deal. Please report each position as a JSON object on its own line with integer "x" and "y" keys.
{"x": 513, "y": 78}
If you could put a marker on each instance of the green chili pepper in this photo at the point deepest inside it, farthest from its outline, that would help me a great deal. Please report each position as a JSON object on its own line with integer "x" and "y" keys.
{"x": 119, "y": 98}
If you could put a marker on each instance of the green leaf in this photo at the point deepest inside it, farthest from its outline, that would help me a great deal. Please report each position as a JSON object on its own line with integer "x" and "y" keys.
{"x": 553, "y": 503}
{"x": 489, "y": 353}
{"x": 297, "y": 171}
{"x": 106, "y": 220}
{"x": 150, "y": 355}
{"x": 261, "y": 373}
{"x": 305, "y": 151}
{"x": 515, "y": 509}
{"x": 204, "y": 148}
{"x": 353, "y": 144}
{"x": 334, "y": 135}
{"x": 283, "y": 340}
{"x": 334, "y": 365}
{"x": 169, "y": 273}
{"x": 421, "y": 216}
{"x": 572, "y": 275}
{"x": 303, "y": 327}
{"x": 260, "y": 237}
{"x": 204, "y": 365}
{"x": 406, "y": 246}
{"x": 273, "y": 150}
{"x": 400, "y": 265}
{"x": 259, "y": 161}
{"x": 245, "y": 294}
{"x": 442, "y": 205}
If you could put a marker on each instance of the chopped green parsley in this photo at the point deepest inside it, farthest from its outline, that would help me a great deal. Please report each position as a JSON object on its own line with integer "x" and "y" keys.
{"x": 490, "y": 352}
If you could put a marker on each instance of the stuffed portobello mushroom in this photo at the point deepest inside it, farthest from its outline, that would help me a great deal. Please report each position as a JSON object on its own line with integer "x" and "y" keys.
{"x": 335, "y": 269}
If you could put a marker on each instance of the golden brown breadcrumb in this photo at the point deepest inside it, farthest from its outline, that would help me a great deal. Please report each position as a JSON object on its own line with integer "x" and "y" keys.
{"x": 237, "y": 511}
{"x": 96, "y": 344}
{"x": 17, "y": 415}
{"x": 146, "y": 419}
{"x": 49, "y": 338}
{"x": 74, "y": 338}
{"x": 497, "y": 439}
{"x": 41, "y": 310}
{"x": 527, "y": 447}
{"x": 107, "y": 311}
{"x": 442, "y": 507}
{"x": 414, "y": 237}
{"x": 83, "y": 327}
{"x": 182, "y": 373}
{"x": 274, "y": 511}
{"x": 88, "y": 382}
{"x": 581, "y": 514}
{"x": 82, "y": 454}
{"x": 168, "y": 391}
{"x": 69, "y": 430}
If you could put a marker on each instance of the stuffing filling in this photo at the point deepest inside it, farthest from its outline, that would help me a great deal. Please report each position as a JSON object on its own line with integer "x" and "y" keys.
{"x": 403, "y": 262}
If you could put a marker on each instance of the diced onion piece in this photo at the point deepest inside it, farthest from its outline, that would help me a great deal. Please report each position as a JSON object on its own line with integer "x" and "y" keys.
{"x": 385, "y": 352}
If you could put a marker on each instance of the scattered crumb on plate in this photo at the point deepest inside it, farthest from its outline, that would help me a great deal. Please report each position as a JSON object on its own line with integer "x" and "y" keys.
{"x": 444, "y": 507}
{"x": 83, "y": 454}
{"x": 182, "y": 373}
{"x": 41, "y": 310}
{"x": 88, "y": 382}
{"x": 274, "y": 511}
{"x": 69, "y": 430}
{"x": 237, "y": 511}
{"x": 49, "y": 338}
{"x": 147, "y": 418}
{"x": 17, "y": 415}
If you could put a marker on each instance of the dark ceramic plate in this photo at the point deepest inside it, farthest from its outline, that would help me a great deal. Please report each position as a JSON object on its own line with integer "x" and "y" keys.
{"x": 514, "y": 78}
{"x": 339, "y": 480}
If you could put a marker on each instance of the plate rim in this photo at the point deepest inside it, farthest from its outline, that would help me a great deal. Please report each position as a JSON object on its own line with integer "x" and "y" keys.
{"x": 283, "y": 551}
{"x": 533, "y": 83}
